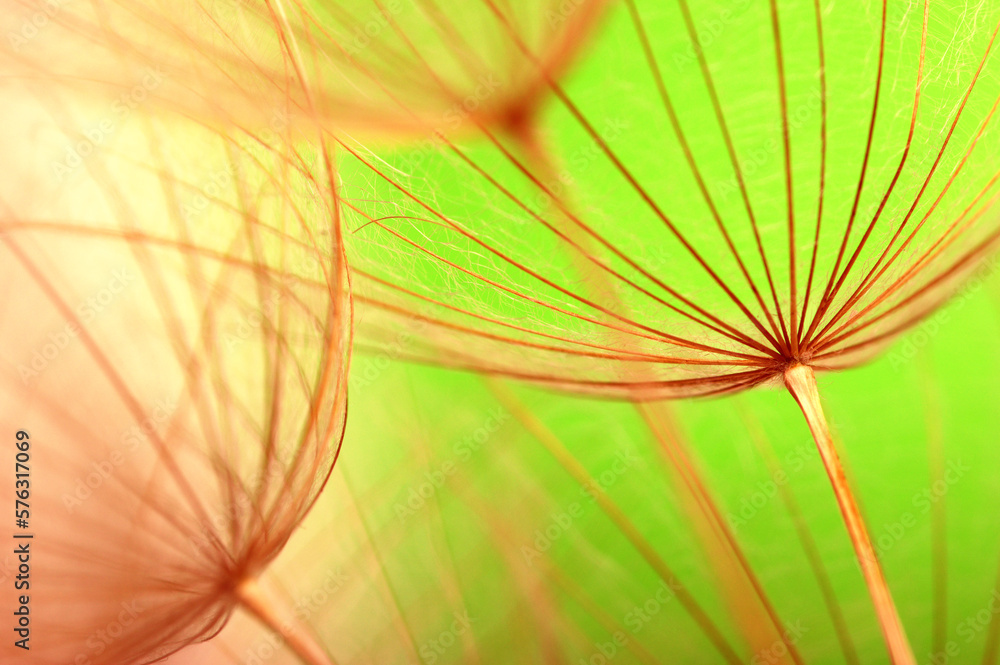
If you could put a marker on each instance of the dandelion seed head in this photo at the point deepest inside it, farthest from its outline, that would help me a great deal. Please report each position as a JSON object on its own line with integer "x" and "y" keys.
{"x": 176, "y": 335}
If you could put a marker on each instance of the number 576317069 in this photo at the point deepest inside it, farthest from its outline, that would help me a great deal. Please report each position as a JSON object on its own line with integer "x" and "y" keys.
{"x": 22, "y": 479}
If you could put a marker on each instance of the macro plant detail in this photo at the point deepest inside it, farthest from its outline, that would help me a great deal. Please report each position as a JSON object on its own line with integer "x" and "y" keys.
{"x": 919, "y": 214}
{"x": 177, "y": 320}
{"x": 630, "y": 200}
{"x": 915, "y": 218}
{"x": 382, "y": 68}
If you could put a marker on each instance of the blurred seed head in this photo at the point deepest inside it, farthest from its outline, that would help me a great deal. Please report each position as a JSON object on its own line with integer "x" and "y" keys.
{"x": 176, "y": 334}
